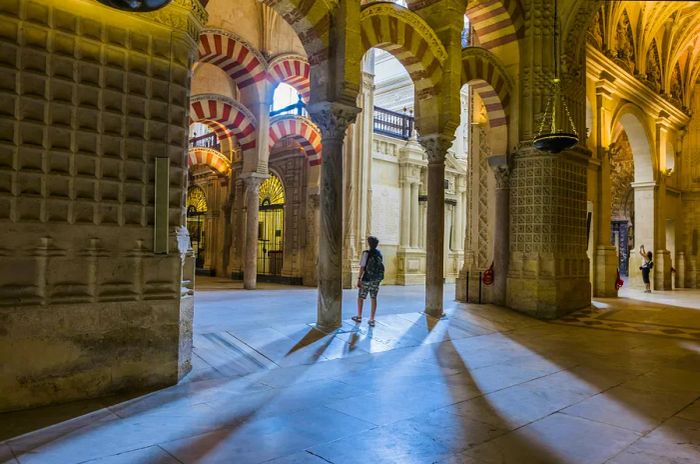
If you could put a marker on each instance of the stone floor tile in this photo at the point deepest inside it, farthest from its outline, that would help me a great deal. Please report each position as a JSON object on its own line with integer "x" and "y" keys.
{"x": 640, "y": 411}
{"x": 555, "y": 439}
{"x": 281, "y": 435}
{"x": 397, "y": 402}
{"x": 57, "y": 420}
{"x": 302, "y": 457}
{"x": 454, "y": 432}
{"x": 390, "y": 444}
{"x": 6, "y": 455}
{"x": 691, "y": 412}
{"x": 150, "y": 455}
{"x": 677, "y": 441}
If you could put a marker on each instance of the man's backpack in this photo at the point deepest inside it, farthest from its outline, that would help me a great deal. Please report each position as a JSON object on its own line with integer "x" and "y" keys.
{"x": 374, "y": 270}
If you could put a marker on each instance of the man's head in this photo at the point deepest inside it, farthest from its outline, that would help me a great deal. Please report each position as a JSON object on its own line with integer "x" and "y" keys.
{"x": 372, "y": 241}
{"x": 649, "y": 255}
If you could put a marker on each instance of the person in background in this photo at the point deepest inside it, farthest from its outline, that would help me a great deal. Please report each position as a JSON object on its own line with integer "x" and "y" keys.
{"x": 646, "y": 267}
{"x": 371, "y": 275}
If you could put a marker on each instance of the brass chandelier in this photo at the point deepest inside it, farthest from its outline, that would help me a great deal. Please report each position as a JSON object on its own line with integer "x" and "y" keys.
{"x": 551, "y": 138}
{"x": 136, "y": 6}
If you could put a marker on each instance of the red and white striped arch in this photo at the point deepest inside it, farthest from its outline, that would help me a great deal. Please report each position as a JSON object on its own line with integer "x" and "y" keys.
{"x": 488, "y": 78}
{"x": 293, "y": 70}
{"x": 227, "y": 117}
{"x": 241, "y": 61}
{"x": 210, "y": 157}
{"x": 300, "y": 129}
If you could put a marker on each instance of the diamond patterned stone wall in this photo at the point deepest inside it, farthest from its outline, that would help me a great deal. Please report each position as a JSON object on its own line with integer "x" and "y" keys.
{"x": 89, "y": 97}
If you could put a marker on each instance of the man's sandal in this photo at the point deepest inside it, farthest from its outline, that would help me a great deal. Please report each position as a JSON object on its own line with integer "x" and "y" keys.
{"x": 356, "y": 319}
{"x": 370, "y": 323}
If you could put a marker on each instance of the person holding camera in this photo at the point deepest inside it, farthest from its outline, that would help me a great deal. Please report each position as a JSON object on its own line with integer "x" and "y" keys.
{"x": 646, "y": 267}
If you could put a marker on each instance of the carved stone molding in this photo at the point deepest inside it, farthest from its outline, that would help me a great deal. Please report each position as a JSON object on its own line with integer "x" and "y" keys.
{"x": 502, "y": 173}
{"x": 436, "y": 147}
{"x": 333, "y": 118}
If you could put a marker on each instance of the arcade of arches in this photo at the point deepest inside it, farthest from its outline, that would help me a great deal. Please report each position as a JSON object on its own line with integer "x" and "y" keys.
{"x": 263, "y": 141}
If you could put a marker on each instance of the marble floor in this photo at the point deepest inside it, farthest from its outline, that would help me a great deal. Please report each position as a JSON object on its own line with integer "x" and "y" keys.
{"x": 483, "y": 385}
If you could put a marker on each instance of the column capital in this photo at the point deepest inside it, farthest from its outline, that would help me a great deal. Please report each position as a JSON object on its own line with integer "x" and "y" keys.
{"x": 252, "y": 180}
{"x": 501, "y": 169}
{"x": 332, "y": 118}
{"x": 436, "y": 147}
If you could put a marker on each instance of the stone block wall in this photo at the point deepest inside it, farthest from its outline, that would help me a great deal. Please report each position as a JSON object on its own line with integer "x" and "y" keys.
{"x": 89, "y": 97}
{"x": 548, "y": 270}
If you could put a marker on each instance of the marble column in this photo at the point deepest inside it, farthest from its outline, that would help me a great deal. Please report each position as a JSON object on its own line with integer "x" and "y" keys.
{"x": 250, "y": 252}
{"x": 501, "y": 239}
{"x": 436, "y": 147}
{"x": 332, "y": 119}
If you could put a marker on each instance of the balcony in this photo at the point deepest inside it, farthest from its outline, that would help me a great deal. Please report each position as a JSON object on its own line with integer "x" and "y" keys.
{"x": 209, "y": 140}
{"x": 392, "y": 124}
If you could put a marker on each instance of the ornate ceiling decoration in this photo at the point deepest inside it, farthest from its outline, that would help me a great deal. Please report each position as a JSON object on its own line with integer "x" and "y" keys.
{"x": 657, "y": 42}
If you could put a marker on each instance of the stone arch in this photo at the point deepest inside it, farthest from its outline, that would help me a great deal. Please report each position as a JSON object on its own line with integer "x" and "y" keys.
{"x": 633, "y": 120}
{"x": 311, "y": 21}
{"x": 226, "y": 116}
{"x": 490, "y": 81}
{"x": 293, "y": 70}
{"x": 209, "y": 157}
{"x": 302, "y": 130}
{"x": 240, "y": 60}
{"x": 498, "y": 24}
{"x": 409, "y": 38}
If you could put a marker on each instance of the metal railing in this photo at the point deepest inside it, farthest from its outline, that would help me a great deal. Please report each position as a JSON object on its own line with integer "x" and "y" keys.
{"x": 296, "y": 109}
{"x": 392, "y": 123}
{"x": 209, "y": 140}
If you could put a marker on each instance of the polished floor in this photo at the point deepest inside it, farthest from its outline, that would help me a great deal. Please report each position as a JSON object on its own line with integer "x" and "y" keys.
{"x": 484, "y": 385}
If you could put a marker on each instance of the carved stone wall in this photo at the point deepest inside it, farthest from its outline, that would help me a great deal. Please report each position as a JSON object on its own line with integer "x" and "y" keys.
{"x": 548, "y": 272}
{"x": 89, "y": 97}
{"x": 621, "y": 178}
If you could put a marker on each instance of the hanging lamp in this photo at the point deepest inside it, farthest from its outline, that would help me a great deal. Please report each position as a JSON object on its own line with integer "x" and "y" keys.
{"x": 553, "y": 139}
{"x": 136, "y": 6}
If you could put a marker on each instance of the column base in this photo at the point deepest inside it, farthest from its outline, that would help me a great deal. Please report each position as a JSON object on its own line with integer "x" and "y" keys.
{"x": 471, "y": 295}
{"x": 410, "y": 268}
{"x": 605, "y": 272}
{"x": 546, "y": 287}
{"x": 662, "y": 270}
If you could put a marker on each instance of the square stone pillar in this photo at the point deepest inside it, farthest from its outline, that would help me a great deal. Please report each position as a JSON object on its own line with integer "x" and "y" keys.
{"x": 548, "y": 270}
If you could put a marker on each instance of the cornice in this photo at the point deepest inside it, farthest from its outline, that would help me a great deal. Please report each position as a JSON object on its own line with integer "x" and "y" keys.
{"x": 627, "y": 87}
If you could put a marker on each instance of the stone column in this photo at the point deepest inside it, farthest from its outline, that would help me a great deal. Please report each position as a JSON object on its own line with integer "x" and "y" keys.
{"x": 414, "y": 215}
{"x": 405, "y": 214}
{"x": 501, "y": 239}
{"x": 333, "y": 119}
{"x": 250, "y": 251}
{"x": 436, "y": 147}
{"x": 605, "y": 255}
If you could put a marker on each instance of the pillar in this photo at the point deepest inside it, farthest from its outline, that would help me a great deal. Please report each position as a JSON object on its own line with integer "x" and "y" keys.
{"x": 405, "y": 239}
{"x": 501, "y": 239}
{"x": 548, "y": 267}
{"x": 414, "y": 215}
{"x": 250, "y": 250}
{"x": 333, "y": 119}
{"x": 605, "y": 255}
{"x": 436, "y": 147}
